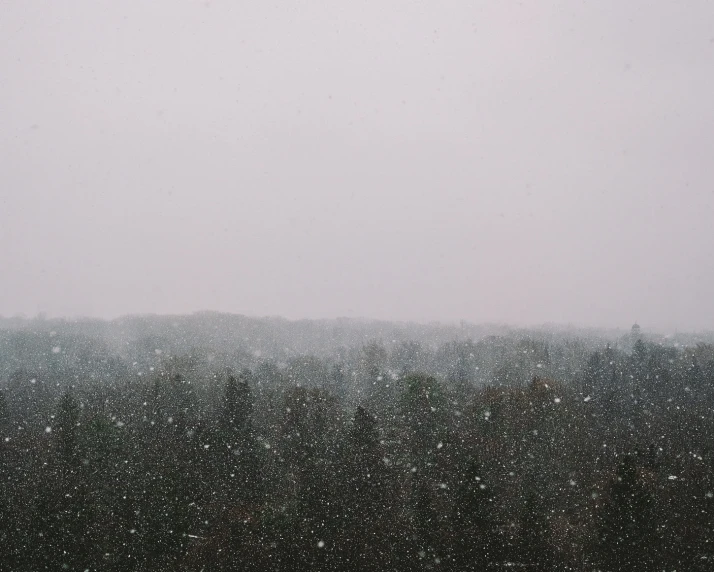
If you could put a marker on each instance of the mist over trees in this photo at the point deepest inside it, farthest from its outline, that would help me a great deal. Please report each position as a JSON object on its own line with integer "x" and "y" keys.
{"x": 220, "y": 442}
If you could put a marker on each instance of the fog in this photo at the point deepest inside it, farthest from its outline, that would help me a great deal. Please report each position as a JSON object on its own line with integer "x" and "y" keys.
{"x": 484, "y": 161}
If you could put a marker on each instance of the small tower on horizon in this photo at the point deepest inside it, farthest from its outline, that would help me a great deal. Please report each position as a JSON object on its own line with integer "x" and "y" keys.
{"x": 636, "y": 332}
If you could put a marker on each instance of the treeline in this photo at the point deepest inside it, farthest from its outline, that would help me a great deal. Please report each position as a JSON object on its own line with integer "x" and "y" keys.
{"x": 509, "y": 453}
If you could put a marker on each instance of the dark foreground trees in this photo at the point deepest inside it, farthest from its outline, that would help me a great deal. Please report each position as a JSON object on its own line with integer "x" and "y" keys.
{"x": 610, "y": 471}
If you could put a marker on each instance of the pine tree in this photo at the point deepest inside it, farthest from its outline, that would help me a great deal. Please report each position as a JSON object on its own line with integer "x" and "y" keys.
{"x": 535, "y": 544}
{"x": 238, "y": 438}
{"x": 628, "y": 539}
{"x": 237, "y": 405}
{"x": 66, "y": 429}
{"x": 4, "y": 419}
{"x": 474, "y": 526}
{"x": 362, "y": 495}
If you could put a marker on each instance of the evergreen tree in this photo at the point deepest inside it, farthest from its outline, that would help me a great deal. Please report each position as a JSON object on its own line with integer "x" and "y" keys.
{"x": 4, "y": 418}
{"x": 474, "y": 527}
{"x": 424, "y": 411}
{"x": 628, "y": 535}
{"x": 238, "y": 441}
{"x": 535, "y": 540}
{"x": 237, "y": 405}
{"x": 66, "y": 429}
{"x": 7, "y": 524}
{"x": 363, "y": 496}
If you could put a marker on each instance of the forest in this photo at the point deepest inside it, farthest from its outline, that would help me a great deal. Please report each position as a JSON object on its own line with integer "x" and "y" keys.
{"x": 216, "y": 442}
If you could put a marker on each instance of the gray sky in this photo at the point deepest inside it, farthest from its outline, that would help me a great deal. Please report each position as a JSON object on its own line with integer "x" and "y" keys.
{"x": 519, "y": 162}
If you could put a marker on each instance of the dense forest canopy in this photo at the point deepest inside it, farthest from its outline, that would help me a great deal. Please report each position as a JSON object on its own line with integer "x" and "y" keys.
{"x": 221, "y": 442}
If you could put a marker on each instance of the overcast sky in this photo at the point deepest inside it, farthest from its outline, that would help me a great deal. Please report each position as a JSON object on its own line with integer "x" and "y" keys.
{"x": 519, "y": 162}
